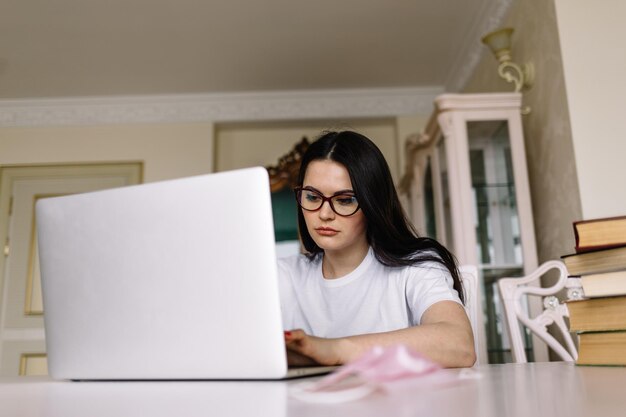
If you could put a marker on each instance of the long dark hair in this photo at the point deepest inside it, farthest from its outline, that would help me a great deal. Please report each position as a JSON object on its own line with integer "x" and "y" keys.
{"x": 391, "y": 236}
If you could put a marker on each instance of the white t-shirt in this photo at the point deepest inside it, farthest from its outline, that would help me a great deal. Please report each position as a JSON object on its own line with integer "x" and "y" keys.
{"x": 373, "y": 298}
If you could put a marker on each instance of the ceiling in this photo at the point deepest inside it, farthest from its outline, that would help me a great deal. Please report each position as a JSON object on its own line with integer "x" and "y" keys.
{"x": 79, "y": 48}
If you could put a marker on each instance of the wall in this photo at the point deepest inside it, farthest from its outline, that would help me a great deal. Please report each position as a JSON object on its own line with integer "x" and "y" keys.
{"x": 248, "y": 144}
{"x": 550, "y": 152}
{"x": 592, "y": 40}
{"x": 167, "y": 150}
{"x": 178, "y": 149}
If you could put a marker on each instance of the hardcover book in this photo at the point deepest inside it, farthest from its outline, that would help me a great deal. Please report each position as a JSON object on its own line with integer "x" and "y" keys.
{"x": 593, "y": 314}
{"x": 602, "y": 348}
{"x": 597, "y": 261}
{"x": 604, "y": 284}
{"x": 600, "y": 233}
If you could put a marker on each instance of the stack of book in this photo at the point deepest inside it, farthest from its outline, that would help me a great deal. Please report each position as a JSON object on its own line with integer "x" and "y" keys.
{"x": 600, "y": 318}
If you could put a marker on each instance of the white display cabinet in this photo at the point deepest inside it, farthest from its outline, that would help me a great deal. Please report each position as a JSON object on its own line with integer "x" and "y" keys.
{"x": 467, "y": 186}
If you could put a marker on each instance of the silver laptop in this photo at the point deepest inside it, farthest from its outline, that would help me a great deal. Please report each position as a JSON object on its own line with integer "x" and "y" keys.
{"x": 166, "y": 280}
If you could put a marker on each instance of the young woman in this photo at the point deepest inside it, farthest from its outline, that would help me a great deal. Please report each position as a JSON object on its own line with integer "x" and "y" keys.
{"x": 367, "y": 279}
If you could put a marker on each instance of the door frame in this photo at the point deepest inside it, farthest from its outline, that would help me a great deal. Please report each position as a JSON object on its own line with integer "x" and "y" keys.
{"x": 131, "y": 171}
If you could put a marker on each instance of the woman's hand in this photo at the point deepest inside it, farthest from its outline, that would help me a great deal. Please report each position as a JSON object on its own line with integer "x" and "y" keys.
{"x": 303, "y": 349}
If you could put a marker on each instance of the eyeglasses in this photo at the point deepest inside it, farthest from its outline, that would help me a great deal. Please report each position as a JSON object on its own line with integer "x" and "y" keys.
{"x": 344, "y": 204}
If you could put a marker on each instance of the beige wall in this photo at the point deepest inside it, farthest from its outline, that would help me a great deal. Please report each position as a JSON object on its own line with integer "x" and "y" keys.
{"x": 179, "y": 150}
{"x": 243, "y": 145}
{"x": 168, "y": 151}
{"x": 592, "y": 40}
{"x": 549, "y": 148}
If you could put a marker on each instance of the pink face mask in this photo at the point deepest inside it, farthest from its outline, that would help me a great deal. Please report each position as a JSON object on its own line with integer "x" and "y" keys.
{"x": 368, "y": 373}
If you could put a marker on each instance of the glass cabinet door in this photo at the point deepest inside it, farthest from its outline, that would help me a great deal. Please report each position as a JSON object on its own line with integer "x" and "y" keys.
{"x": 498, "y": 240}
{"x": 498, "y": 248}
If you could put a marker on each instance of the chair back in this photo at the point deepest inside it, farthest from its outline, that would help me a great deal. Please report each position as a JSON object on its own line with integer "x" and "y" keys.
{"x": 514, "y": 290}
{"x": 473, "y": 308}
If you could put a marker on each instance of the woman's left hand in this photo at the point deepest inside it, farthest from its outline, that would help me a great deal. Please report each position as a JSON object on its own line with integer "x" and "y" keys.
{"x": 301, "y": 346}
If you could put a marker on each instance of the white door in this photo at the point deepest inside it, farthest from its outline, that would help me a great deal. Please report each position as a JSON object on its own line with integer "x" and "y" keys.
{"x": 22, "y": 339}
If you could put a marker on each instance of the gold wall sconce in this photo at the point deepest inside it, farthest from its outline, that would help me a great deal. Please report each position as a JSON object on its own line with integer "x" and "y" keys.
{"x": 522, "y": 76}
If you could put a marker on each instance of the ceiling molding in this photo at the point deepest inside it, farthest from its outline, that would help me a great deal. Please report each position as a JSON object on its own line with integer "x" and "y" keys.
{"x": 231, "y": 107}
{"x": 470, "y": 52}
{"x": 479, "y": 101}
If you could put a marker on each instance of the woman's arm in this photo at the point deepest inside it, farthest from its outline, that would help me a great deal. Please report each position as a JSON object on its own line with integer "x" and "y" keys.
{"x": 444, "y": 335}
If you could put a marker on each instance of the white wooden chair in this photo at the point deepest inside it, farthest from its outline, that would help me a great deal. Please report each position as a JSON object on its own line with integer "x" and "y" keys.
{"x": 473, "y": 308}
{"x": 513, "y": 290}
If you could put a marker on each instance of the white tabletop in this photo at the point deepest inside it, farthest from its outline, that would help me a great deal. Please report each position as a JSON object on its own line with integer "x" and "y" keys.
{"x": 539, "y": 389}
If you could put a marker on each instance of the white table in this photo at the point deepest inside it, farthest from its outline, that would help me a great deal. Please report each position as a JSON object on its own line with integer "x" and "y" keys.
{"x": 538, "y": 389}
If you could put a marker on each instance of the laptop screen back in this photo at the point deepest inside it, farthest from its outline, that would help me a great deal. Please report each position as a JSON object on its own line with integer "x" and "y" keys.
{"x": 167, "y": 280}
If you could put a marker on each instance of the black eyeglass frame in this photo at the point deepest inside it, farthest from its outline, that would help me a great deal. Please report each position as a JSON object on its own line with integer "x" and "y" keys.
{"x": 298, "y": 195}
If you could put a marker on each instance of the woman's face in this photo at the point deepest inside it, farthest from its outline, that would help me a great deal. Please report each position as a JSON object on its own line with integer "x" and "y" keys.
{"x": 330, "y": 231}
